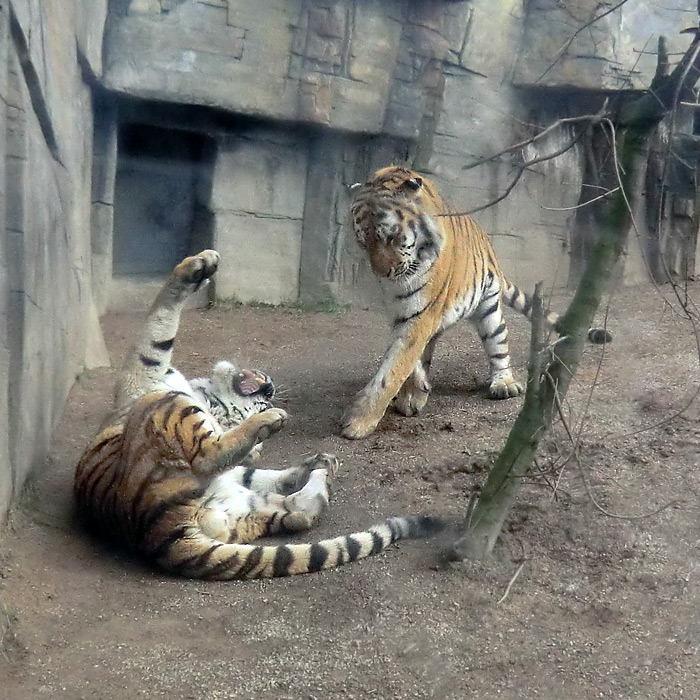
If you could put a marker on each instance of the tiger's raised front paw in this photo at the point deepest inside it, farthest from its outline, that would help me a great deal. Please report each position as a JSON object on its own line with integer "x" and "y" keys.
{"x": 198, "y": 268}
{"x": 505, "y": 387}
{"x": 267, "y": 423}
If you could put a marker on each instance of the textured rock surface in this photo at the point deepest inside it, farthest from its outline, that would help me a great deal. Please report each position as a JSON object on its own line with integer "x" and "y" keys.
{"x": 45, "y": 150}
{"x": 288, "y": 102}
{"x": 435, "y": 83}
{"x": 563, "y": 46}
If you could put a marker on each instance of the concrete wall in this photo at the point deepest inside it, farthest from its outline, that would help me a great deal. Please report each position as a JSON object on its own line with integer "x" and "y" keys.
{"x": 48, "y": 52}
{"x": 292, "y": 101}
{"x": 434, "y": 84}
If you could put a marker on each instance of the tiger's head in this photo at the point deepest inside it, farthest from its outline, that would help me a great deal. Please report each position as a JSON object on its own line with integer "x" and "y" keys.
{"x": 394, "y": 220}
{"x": 232, "y": 394}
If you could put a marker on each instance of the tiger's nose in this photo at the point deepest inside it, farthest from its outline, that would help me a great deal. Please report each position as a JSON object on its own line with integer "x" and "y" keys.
{"x": 383, "y": 260}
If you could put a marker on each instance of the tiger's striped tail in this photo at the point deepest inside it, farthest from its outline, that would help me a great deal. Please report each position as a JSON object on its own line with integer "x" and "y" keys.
{"x": 522, "y": 303}
{"x": 195, "y": 555}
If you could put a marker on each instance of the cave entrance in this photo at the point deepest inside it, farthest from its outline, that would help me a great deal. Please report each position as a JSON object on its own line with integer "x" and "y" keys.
{"x": 161, "y": 200}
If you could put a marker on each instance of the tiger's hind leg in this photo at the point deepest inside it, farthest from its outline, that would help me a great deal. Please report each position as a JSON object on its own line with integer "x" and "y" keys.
{"x": 492, "y": 330}
{"x": 415, "y": 391}
{"x": 233, "y": 513}
{"x": 282, "y": 481}
{"x": 147, "y": 367}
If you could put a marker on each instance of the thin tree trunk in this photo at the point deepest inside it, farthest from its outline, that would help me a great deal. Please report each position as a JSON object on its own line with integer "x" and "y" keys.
{"x": 549, "y": 381}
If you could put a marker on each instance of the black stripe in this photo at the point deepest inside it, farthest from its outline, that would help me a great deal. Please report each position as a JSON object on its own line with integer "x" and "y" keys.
{"x": 377, "y": 543}
{"x": 149, "y": 361}
{"x": 527, "y": 305}
{"x": 163, "y": 344}
{"x": 514, "y": 295}
{"x": 490, "y": 310}
{"x": 248, "y": 477}
{"x": 199, "y": 450}
{"x": 251, "y": 561}
{"x": 408, "y": 295}
{"x": 353, "y": 547}
{"x": 283, "y": 560}
{"x": 499, "y": 356}
{"x": 405, "y": 319}
{"x": 317, "y": 557}
{"x": 213, "y": 399}
{"x": 189, "y": 410}
{"x": 395, "y": 530}
{"x": 143, "y": 525}
{"x": 224, "y": 565}
{"x": 165, "y": 545}
{"x": 170, "y": 370}
{"x": 341, "y": 554}
{"x": 204, "y": 557}
{"x": 498, "y": 331}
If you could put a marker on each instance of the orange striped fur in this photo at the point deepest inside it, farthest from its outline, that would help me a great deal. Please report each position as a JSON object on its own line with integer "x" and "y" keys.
{"x": 435, "y": 268}
{"x": 170, "y": 476}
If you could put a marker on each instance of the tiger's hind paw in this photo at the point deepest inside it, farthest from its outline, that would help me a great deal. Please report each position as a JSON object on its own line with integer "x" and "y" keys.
{"x": 505, "y": 388}
{"x": 305, "y": 506}
{"x": 295, "y": 478}
{"x": 322, "y": 460}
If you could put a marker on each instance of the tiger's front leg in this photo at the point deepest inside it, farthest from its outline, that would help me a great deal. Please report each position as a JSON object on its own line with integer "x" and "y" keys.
{"x": 415, "y": 391}
{"x": 213, "y": 452}
{"x": 397, "y": 365}
{"x": 148, "y": 362}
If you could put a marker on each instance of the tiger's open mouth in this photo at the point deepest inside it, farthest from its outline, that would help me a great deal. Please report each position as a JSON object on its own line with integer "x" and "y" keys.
{"x": 249, "y": 382}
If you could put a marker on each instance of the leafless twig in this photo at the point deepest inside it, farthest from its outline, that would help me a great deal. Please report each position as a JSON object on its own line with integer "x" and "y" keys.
{"x": 572, "y": 38}
{"x": 510, "y": 584}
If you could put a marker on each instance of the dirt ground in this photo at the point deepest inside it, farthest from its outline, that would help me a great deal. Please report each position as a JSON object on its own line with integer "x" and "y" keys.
{"x": 602, "y": 607}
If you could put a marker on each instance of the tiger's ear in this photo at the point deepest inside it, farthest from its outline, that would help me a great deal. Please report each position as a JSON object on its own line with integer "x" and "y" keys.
{"x": 414, "y": 184}
{"x": 222, "y": 376}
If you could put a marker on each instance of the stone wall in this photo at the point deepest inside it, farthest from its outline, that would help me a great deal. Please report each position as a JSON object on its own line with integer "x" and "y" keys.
{"x": 275, "y": 108}
{"x": 49, "y": 52}
{"x": 435, "y": 84}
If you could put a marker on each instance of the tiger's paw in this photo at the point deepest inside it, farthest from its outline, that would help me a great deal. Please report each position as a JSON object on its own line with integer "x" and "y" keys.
{"x": 358, "y": 422}
{"x": 267, "y": 423}
{"x": 197, "y": 269}
{"x": 411, "y": 402}
{"x": 295, "y": 478}
{"x": 505, "y": 387}
{"x": 358, "y": 428}
{"x": 306, "y": 505}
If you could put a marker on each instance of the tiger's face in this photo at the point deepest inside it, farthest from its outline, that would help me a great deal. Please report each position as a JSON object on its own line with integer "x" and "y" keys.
{"x": 232, "y": 394}
{"x": 393, "y": 221}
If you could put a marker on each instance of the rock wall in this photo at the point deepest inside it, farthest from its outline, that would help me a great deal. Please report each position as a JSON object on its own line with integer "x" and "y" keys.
{"x": 48, "y": 318}
{"x": 435, "y": 84}
{"x": 266, "y": 112}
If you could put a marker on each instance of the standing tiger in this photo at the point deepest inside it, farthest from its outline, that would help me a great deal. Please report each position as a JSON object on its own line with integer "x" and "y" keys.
{"x": 165, "y": 474}
{"x": 435, "y": 269}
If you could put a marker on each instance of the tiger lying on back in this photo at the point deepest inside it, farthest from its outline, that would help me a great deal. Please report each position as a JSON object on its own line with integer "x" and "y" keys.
{"x": 165, "y": 474}
{"x": 434, "y": 270}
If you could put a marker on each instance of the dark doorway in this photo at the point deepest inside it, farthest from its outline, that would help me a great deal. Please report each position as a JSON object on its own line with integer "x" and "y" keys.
{"x": 161, "y": 195}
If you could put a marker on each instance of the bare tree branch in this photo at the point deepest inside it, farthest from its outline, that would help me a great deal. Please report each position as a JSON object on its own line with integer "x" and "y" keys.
{"x": 572, "y": 38}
